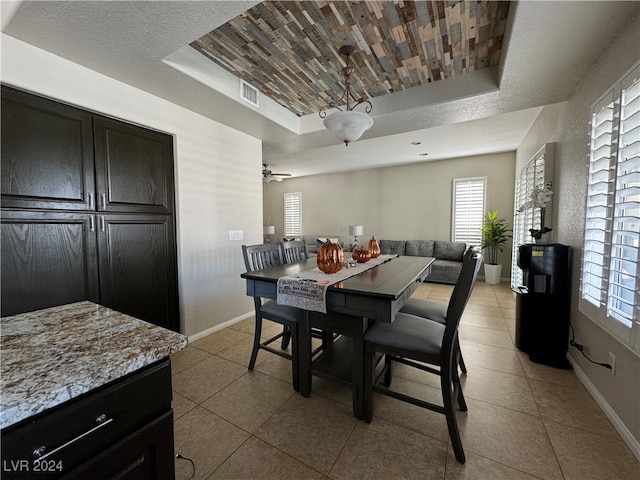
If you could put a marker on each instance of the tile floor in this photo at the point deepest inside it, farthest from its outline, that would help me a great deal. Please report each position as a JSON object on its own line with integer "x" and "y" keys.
{"x": 525, "y": 420}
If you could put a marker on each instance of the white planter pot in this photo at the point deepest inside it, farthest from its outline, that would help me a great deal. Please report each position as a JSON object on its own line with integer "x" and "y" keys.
{"x": 492, "y": 273}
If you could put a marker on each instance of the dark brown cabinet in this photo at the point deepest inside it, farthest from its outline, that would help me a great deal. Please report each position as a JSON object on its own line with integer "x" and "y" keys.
{"x": 48, "y": 258}
{"x": 121, "y": 430}
{"x": 87, "y": 211}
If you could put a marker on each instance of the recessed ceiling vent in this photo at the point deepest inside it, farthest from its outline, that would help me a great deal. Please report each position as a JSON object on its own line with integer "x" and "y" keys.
{"x": 249, "y": 93}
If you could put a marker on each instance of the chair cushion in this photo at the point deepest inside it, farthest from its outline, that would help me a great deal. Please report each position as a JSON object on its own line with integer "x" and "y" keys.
{"x": 420, "y": 307}
{"x": 407, "y": 333}
{"x": 419, "y": 248}
{"x": 272, "y": 311}
{"x": 392, "y": 246}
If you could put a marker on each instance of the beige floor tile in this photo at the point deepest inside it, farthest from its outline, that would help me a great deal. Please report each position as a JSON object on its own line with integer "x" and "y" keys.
{"x": 483, "y": 298}
{"x": 276, "y": 367}
{"x": 498, "y": 388}
{"x": 199, "y": 382}
{"x": 546, "y": 373}
{"x": 332, "y": 390}
{"x": 410, "y": 416}
{"x": 588, "y": 456}
{"x": 259, "y": 460}
{"x": 244, "y": 326}
{"x": 512, "y": 438}
{"x": 571, "y": 405}
{"x": 481, "y": 468}
{"x": 312, "y": 430}
{"x": 415, "y": 375}
{"x": 484, "y": 321}
{"x": 260, "y": 397}
{"x": 485, "y": 336}
{"x": 206, "y": 439}
{"x": 218, "y": 341}
{"x": 385, "y": 451}
{"x": 181, "y": 405}
{"x": 240, "y": 353}
{"x": 501, "y": 359}
{"x": 489, "y": 310}
{"x": 186, "y": 358}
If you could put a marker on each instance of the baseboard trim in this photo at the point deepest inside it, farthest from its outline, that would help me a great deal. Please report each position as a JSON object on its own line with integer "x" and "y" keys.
{"x": 221, "y": 326}
{"x": 620, "y": 427}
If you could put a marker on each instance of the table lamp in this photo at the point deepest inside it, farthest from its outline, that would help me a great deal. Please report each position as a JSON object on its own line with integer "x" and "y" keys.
{"x": 356, "y": 230}
{"x": 268, "y": 230}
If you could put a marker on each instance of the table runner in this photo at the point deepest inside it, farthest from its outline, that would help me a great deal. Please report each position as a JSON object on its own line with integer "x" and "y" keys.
{"x": 308, "y": 290}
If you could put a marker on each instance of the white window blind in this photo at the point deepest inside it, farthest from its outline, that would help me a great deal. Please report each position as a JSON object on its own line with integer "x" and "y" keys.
{"x": 292, "y": 214}
{"x": 535, "y": 174}
{"x": 609, "y": 277}
{"x": 468, "y": 209}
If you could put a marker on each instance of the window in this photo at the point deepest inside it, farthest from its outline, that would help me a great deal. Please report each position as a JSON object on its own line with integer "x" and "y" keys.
{"x": 468, "y": 209}
{"x": 292, "y": 214}
{"x": 535, "y": 174}
{"x": 609, "y": 277}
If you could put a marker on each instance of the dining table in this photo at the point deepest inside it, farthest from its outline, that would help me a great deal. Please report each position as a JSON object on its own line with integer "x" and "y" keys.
{"x": 376, "y": 294}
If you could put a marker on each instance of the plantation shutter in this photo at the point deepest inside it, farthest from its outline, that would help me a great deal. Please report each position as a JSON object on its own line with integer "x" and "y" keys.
{"x": 292, "y": 214}
{"x": 596, "y": 237}
{"x": 535, "y": 174}
{"x": 625, "y": 236}
{"x": 468, "y": 209}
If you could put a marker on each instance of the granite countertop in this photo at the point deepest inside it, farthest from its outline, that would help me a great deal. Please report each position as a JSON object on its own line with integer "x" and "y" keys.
{"x": 53, "y": 355}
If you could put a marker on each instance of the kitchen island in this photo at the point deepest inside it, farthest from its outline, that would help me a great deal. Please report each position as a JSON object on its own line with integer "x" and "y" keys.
{"x": 86, "y": 393}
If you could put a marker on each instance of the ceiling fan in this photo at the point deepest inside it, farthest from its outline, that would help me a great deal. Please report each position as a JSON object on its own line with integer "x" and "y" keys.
{"x": 268, "y": 175}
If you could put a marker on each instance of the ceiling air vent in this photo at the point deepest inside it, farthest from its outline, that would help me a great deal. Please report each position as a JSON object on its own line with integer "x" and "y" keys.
{"x": 249, "y": 93}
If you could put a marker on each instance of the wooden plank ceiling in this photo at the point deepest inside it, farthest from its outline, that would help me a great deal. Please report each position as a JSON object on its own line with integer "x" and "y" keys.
{"x": 289, "y": 50}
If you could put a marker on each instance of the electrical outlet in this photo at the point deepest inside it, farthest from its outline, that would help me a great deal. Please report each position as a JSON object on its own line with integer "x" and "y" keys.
{"x": 612, "y": 362}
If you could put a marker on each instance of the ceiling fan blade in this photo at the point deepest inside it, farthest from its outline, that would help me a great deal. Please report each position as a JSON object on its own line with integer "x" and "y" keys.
{"x": 281, "y": 174}
{"x": 277, "y": 179}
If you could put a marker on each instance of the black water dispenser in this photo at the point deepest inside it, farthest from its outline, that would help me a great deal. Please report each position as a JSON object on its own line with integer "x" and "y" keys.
{"x": 543, "y": 303}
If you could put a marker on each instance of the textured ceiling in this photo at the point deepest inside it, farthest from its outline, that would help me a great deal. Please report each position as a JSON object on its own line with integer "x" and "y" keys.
{"x": 289, "y": 50}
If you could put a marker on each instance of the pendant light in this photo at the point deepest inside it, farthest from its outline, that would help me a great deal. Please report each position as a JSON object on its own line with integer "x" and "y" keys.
{"x": 347, "y": 125}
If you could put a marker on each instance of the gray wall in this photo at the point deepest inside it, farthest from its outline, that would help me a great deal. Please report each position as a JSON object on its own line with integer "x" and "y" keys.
{"x": 404, "y": 202}
{"x": 567, "y": 126}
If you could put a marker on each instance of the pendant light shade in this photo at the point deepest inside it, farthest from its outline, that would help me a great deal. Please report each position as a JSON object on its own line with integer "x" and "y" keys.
{"x": 347, "y": 125}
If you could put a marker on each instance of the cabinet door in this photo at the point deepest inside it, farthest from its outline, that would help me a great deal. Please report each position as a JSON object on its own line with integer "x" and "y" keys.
{"x": 138, "y": 274}
{"x": 145, "y": 455}
{"x": 134, "y": 168}
{"x": 48, "y": 259}
{"x": 47, "y": 153}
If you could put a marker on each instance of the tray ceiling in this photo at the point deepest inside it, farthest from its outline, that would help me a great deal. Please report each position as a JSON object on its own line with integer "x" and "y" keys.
{"x": 289, "y": 50}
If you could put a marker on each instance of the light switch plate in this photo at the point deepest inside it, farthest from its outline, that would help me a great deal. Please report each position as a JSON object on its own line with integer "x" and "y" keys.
{"x": 236, "y": 234}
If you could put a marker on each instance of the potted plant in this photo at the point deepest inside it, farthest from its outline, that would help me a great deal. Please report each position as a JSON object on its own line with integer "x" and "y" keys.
{"x": 494, "y": 237}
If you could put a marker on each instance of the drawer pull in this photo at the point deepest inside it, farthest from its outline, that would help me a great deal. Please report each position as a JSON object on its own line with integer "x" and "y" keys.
{"x": 41, "y": 453}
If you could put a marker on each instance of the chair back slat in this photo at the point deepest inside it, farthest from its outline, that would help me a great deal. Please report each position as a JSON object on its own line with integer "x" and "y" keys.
{"x": 259, "y": 257}
{"x": 294, "y": 251}
{"x": 461, "y": 293}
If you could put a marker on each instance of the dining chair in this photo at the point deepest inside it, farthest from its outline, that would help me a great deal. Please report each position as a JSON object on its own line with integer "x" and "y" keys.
{"x": 436, "y": 311}
{"x": 410, "y": 339}
{"x": 293, "y": 251}
{"x": 259, "y": 257}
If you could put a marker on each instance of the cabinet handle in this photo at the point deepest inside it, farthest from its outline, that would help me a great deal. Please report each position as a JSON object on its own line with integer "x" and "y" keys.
{"x": 102, "y": 227}
{"x": 91, "y": 225}
{"x": 40, "y": 453}
{"x": 90, "y": 198}
{"x": 103, "y": 200}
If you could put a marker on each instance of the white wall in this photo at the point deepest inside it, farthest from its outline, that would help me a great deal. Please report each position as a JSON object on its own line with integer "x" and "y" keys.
{"x": 567, "y": 126}
{"x": 407, "y": 202}
{"x": 218, "y": 179}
